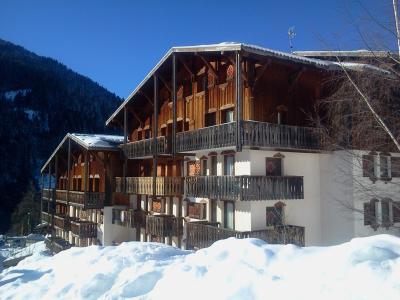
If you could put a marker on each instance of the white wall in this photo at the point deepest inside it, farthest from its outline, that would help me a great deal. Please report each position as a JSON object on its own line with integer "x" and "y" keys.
{"x": 113, "y": 233}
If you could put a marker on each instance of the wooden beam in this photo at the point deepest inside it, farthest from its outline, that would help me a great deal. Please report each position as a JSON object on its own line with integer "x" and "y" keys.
{"x": 208, "y": 65}
{"x": 155, "y": 129}
{"x": 262, "y": 71}
{"x": 238, "y": 90}
{"x": 294, "y": 79}
{"x": 147, "y": 97}
{"x": 186, "y": 67}
{"x": 135, "y": 116}
{"x": 165, "y": 84}
{"x": 174, "y": 108}
{"x": 243, "y": 74}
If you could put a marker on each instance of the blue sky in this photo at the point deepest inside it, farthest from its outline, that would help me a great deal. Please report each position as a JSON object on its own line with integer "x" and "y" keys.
{"x": 117, "y": 42}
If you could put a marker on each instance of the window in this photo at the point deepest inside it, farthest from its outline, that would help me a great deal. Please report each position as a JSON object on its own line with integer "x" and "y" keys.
{"x": 91, "y": 184}
{"x": 227, "y": 116}
{"x": 213, "y": 167}
{"x": 79, "y": 187}
{"x": 370, "y": 213}
{"x": 210, "y": 119}
{"x": 193, "y": 168}
{"x": 147, "y": 134}
{"x": 273, "y": 166}
{"x": 213, "y": 204}
{"x": 97, "y": 184}
{"x": 274, "y": 214}
{"x": 395, "y": 164}
{"x": 229, "y": 215}
{"x": 204, "y": 167}
{"x": 384, "y": 161}
{"x": 396, "y": 211}
{"x": 229, "y": 165}
{"x": 385, "y": 210}
{"x": 156, "y": 206}
{"x": 196, "y": 210}
{"x": 368, "y": 166}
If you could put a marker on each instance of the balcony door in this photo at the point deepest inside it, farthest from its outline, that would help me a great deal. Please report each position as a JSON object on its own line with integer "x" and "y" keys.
{"x": 229, "y": 165}
{"x": 229, "y": 215}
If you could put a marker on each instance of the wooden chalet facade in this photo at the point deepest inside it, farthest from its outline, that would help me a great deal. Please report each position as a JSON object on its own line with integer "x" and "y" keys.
{"x": 216, "y": 144}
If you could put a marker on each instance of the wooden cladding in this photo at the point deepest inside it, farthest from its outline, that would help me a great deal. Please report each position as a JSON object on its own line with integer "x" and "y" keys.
{"x": 202, "y": 235}
{"x": 245, "y": 188}
{"x": 165, "y": 186}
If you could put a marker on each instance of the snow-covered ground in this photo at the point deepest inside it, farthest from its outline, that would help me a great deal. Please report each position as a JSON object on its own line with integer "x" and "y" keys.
{"x": 365, "y": 268}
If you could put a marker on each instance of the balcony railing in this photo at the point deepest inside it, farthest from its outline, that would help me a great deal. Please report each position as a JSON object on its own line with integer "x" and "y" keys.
{"x": 84, "y": 229}
{"x": 63, "y": 222}
{"x": 87, "y": 200}
{"x": 245, "y": 188}
{"x": 207, "y": 138}
{"x": 129, "y": 218}
{"x": 253, "y": 134}
{"x": 165, "y": 186}
{"x": 145, "y": 148}
{"x": 47, "y": 194}
{"x": 201, "y": 236}
{"x": 164, "y": 225}
{"x": 46, "y": 217}
{"x": 56, "y": 244}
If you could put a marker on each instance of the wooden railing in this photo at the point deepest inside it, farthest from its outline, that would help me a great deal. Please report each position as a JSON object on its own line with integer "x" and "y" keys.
{"x": 252, "y": 134}
{"x": 165, "y": 186}
{"x": 145, "y": 148}
{"x": 164, "y": 225}
{"x": 88, "y": 200}
{"x": 46, "y": 217}
{"x": 201, "y": 236}
{"x": 129, "y": 218}
{"x": 56, "y": 244}
{"x": 84, "y": 229}
{"x": 207, "y": 138}
{"x": 262, "y": 134}
{"x": 62, "y": 222}
{"x": 245, "y": 187}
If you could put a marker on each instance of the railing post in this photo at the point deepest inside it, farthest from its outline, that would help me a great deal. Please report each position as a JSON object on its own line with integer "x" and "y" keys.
{"x": 68, "y": 171}
{"x": 85, "y": 177}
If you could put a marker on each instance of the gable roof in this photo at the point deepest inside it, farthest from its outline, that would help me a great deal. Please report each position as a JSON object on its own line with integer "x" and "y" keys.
{"x": 99, "y": 142}
{"x": 248, "y": 48}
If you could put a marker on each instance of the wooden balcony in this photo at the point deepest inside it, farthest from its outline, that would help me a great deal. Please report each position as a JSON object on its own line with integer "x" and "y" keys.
{"x": 63, "y": 222}
{"x": 201, "y": 235}
{"x": 165, "y": 186}
{"x": 47, "y": 194}
{"x": 164, "y": 225}
{"x": 129, "y": 218}
{"x": 252, "y": 134}
{"x": 46, "y": 217}
{"x": 84, "y": 229}
{"x": 86, "y": 200}
{"x": 145, "y": 148}
{"x": 56, "y": 244}
{"x": 245, "y": 188}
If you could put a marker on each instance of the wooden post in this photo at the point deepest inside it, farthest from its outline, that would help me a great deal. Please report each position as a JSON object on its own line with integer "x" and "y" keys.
{"x": 85, "y": 176}
{"x": 41, "y": 197}
{"x": 54, "y": 195}
{"x": 125, "y": 164}
{"x": 238, "y": 90}
{"x": 68, "y": 172}
{"x": 155, "y": 132}
{"x": 174, "y": 104}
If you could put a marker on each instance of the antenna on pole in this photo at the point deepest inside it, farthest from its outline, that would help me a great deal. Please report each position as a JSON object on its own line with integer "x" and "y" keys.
{"x": 291, "y": 35}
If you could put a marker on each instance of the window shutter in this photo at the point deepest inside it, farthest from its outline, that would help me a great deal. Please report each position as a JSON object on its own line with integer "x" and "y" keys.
{"x": 368, "y": 165}
{"x": 396, "y": 211}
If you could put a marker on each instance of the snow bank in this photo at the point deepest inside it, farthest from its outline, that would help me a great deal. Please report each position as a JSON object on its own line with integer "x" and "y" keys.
{"x": 365, "y": 268}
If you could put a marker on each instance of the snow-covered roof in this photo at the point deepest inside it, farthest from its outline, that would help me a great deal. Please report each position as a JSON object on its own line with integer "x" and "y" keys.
{"x": 232, "y": 46}
{"x": 343, "y": 53}
{"x": 99, "y": 142}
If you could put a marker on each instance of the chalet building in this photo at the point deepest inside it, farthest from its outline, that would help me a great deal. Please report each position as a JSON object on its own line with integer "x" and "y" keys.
{"x": 80, "y": 175}
{"x": 217, "y": 143}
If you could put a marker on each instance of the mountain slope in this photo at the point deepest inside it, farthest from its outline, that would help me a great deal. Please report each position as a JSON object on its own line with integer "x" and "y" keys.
{"x": 40, "y": 101}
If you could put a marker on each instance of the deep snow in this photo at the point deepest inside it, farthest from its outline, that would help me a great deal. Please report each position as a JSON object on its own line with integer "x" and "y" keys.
{"x": 365, "y": 268}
